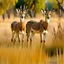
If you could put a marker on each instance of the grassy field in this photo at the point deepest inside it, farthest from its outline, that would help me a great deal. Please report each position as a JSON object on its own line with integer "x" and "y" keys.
{"x": 10, "y": 54}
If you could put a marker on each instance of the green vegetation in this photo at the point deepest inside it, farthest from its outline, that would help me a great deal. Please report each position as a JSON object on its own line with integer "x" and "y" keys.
{"x": 38, "y": 4}
{"x": 6, "y": 4}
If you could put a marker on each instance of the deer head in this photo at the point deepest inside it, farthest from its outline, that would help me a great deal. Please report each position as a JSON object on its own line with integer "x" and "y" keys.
{"x": 47, "y": 15}
{"x": 21, "y": 13}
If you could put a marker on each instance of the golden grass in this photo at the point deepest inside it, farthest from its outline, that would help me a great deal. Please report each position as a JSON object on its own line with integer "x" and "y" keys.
{"x": 10, "y": 54}
{"x": 21, "y": 56}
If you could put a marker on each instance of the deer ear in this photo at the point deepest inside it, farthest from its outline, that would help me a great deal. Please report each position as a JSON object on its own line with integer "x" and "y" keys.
{"x": 43, "y": 11}
{"x": 50, "y": 13}
{"x": 20, "y": 12}
{"x": 17, "y": 10}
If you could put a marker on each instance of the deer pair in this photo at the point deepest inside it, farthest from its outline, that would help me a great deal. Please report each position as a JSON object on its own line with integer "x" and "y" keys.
{"x": 32, "y": 27}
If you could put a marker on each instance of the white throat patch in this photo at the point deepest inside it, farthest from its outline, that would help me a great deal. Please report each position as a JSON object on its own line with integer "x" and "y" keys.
{"x": 22, "y": 19}
{"x": 45, "y": 31}
{"x": 48, "y": 20}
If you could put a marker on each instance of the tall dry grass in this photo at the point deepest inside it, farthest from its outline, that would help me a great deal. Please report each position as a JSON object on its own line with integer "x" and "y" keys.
{"x": 21, "y": 56}
{"x": 10, "y": 54}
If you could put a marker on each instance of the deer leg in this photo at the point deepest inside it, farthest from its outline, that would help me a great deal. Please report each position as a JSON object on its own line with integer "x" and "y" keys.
{"x": 12, "y": 39}
{"x": 15, "y": 37}
{"x": 44, "y": 36}
{"x": 31, "y": 36}
{"x": 22, "y": 37}
{"x": 18, "y": 37}
{"x": 28, "y": 36}
{"x": 41, "y": 37}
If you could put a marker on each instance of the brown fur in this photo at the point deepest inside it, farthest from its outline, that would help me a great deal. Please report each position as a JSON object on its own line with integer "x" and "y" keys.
{"x": 37, "y": 26}
{"x": 40, "y": 26}
{"x": 33, "y": 27}
{"x": 17, "y": 27}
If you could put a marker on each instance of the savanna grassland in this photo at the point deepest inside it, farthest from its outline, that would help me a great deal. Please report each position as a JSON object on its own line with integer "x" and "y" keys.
{"x": 15, "y": 54}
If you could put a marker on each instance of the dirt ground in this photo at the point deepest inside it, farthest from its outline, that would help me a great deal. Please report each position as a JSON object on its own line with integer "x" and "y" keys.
{"x": 10, "y": 54}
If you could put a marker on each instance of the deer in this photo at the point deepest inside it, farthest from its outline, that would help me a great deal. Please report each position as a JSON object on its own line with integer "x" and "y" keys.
{"x": 40, "y": 27}
{"x": 17, "y": 27}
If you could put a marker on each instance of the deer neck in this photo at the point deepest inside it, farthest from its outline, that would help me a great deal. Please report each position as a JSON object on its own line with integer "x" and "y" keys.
{"x": 21, "y": 25}
{"x": 21, "y": 19}
{"x": 47, "y": 20}
{"x": 21, "y": 22}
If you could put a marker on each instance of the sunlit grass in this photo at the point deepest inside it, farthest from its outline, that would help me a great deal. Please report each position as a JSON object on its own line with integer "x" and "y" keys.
{"x": 10, "y": 54}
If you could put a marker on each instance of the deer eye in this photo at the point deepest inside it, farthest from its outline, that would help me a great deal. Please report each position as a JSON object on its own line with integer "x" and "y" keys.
{"x": 49, "y": 15}
{"x": 46, "y": 14}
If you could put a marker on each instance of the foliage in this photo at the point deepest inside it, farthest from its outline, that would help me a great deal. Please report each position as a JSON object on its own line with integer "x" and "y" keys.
{"x": 6, "y": 4}
{"x": 19, "y": 3}
{"x": 55, "y": 6}
{"x": 29, "y": 2}
{"x": 40, "y": 4}
{"x": 37, "y": 3}
{"x": 48, "y": 6}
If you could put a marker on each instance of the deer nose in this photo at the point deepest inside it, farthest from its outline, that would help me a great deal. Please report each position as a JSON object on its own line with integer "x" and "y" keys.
{"x": 48, "y": 17}
{"x": 21, "y": 16}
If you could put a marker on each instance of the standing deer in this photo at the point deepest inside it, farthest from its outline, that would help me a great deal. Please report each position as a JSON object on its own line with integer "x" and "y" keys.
{"x": 41, "y": 27}
{"x": 18, "y": 27}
